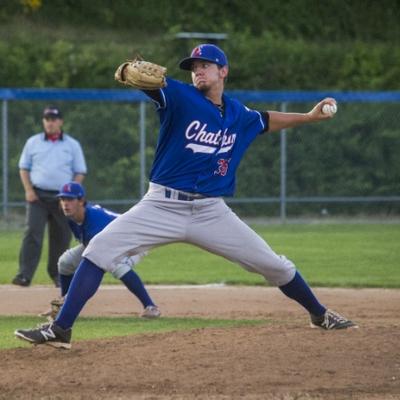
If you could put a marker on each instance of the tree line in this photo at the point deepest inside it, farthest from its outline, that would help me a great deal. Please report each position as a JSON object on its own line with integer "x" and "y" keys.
{"x": 298, "y": 45}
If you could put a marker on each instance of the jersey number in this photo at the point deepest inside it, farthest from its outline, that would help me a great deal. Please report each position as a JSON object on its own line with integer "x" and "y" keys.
{"x": 222, "y": 167}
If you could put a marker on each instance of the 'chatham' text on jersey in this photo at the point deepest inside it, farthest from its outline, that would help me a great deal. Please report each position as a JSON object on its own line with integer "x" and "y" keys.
{"x": 208, "y": 142}
{"x": 199, "y": 149}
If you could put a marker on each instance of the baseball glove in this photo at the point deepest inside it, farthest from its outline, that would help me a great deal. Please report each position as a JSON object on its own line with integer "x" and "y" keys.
{"x": 55, "y": 307}
{"x": 141, "y": 74}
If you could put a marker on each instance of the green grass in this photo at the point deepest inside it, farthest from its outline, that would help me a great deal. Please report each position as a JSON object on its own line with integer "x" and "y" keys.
{"x": 342, "y": 255}
{"x": 101, "y": 328}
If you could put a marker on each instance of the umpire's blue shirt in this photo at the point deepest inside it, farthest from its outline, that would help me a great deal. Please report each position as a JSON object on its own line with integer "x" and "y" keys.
{"x": 51, "y": 164}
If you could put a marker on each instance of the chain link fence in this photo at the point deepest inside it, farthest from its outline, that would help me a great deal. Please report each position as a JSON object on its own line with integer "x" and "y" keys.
{"x": 349, "y": 165}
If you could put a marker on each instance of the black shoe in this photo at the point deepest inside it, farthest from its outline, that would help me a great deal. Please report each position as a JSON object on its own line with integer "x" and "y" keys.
{"x": 49, "y": 334}
{"x": 331, "y": 320}
{"x": 21, "y": 281}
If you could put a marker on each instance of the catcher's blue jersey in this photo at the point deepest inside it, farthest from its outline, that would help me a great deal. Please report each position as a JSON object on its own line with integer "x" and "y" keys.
{"x": 96, "y": 219}
{"x": 199, "y": 149}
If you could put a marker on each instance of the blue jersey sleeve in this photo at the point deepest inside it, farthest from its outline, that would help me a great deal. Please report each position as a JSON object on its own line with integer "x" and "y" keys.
{"x": 96, "y": 219}
{"x": 175, "y": 90}
{"x": 163, "y": 98}
{"x": 255, "y": 121}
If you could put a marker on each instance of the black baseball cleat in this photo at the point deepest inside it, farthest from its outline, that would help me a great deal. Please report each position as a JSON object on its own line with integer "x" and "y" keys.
{"x": 21, "y": 281}
{"x": 331, "y": 320}
{"x": 49, "y": 334}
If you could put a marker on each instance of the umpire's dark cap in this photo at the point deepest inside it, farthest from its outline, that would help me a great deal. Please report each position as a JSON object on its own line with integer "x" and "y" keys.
{"x": 206, "y": 52}
{"x": 72, "y": 190}
{"x": 52, "y": 112}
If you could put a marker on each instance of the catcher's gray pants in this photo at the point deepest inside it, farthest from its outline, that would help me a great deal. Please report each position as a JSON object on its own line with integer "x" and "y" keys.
{"x": 70, "y": 259}
{"x": 160, "y": 218}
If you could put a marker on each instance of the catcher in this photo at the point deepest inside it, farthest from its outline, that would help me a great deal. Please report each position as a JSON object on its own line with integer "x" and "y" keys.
{"x": 85, "y": 221}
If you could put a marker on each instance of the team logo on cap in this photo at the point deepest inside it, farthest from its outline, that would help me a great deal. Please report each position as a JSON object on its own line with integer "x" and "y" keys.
{"x": 196, "y": 52}
{"x": 67, "y": 188}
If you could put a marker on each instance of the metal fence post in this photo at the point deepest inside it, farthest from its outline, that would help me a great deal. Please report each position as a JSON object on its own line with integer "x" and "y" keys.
{"x": 142, "y": 147}
{"x": 5, "y": 156}
{"x": 283, "y": 169}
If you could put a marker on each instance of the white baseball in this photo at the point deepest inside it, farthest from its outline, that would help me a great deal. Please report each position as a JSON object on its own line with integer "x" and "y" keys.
{"x": 329, "y": 108}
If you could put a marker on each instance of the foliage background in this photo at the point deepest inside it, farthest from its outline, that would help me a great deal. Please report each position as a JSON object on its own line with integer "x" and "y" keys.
{"x": 298, "y": 44}
{"x": 295, "y": 45}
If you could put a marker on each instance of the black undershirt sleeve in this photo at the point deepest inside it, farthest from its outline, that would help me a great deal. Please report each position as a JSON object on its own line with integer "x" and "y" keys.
{"x": 156, "y": 96}
{"x": 265, "y": 115}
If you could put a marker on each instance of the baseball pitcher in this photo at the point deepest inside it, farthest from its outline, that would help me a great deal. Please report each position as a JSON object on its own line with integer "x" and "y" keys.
{"x": 203, "y": 136}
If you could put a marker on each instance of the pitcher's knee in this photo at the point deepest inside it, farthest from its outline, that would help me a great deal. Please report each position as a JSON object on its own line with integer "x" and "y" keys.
{"x": 278, "y": 271}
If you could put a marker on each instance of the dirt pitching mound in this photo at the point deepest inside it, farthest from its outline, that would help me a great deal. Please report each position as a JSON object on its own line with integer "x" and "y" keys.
{"x": 282, "y": 360}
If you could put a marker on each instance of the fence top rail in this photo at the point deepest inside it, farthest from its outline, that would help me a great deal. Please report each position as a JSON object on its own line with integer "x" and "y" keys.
{"x": 257, "y": 96}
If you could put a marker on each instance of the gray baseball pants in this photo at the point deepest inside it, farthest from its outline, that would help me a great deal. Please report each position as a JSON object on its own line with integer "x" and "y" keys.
{"x": 207, "y": 223}
{"x": 70, "y": 259}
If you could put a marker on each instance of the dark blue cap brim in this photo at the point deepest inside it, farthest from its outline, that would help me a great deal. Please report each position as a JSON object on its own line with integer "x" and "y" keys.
{"x": 54, "y": 116}
{"x": 186, "y": 63}
{"x": 68, "y": 196}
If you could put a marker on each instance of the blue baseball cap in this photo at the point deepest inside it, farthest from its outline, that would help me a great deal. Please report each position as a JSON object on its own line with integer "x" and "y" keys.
{"x": 72, "y": 190}
{"x": 206, "y": 52}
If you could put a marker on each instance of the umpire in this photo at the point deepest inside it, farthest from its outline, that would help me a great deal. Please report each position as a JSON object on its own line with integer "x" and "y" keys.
{"x": 48, "y": 160}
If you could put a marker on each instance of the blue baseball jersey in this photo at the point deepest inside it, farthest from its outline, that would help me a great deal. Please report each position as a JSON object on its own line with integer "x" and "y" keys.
{"x": 199, "y": 149}
{"x": 96, "y": 219}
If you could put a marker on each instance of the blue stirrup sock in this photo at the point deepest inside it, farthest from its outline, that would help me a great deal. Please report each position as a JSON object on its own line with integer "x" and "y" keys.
{"x": 133, "y": 282}
{"x": 84, "y": 285}
{"x": 297, "y": 289}
{"x": 65, "y": 282}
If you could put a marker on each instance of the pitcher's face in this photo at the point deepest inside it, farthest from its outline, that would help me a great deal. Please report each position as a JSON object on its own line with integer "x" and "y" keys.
{"x": 206, "y": 75}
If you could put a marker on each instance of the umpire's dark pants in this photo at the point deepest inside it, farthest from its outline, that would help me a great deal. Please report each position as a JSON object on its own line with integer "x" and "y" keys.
{"x": 39, "y": 213}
